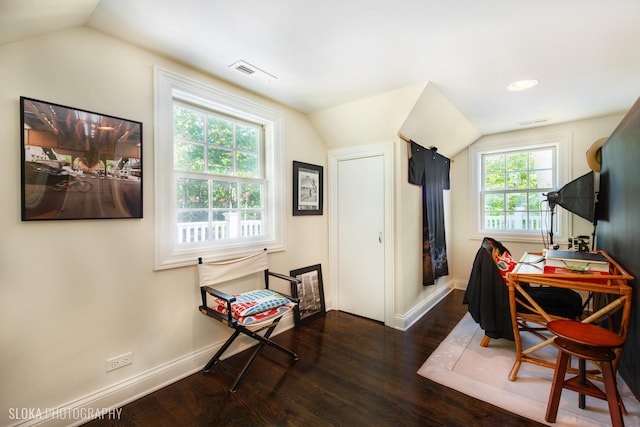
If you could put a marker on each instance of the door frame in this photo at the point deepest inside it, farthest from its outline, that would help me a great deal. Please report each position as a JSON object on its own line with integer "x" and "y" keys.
{"x": 334, "y": 157}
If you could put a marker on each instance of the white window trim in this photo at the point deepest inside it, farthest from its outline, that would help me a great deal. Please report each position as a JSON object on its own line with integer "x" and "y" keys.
{"x": 562, "y": 143}
{"x": 166, "y": 254}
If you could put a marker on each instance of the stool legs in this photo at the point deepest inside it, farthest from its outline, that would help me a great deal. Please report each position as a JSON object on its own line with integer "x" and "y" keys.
{"x": 556, "y": 387}
{"x": 615, "y": 407}
{"x": 611, "y": 390}
{"x": 586, "y": 342}
{"x": 582, "y": 366}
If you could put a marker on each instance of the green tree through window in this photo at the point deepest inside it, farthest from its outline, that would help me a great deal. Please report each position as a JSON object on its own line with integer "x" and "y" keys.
{"x": 220, "y": 184}
{"x": 220, "y": 173}
{"x": 513, "y": 187}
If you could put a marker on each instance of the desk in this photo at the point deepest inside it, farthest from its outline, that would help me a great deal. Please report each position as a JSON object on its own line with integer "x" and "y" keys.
{"x": 612, "y": 285}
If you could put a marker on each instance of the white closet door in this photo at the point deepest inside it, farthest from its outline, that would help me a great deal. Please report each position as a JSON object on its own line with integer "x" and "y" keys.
{"x": 361, "y": 240}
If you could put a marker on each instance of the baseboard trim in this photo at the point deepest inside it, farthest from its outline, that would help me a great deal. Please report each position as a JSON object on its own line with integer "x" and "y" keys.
{"x": 117, "y": 395}
{"x": 460, "y": 284}
{"x": 404, "y": 322}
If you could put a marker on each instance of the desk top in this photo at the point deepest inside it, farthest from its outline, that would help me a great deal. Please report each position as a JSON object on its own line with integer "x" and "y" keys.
{"x": 531, "y": 267}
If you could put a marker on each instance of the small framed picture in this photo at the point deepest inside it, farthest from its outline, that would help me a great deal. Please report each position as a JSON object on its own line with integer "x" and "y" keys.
{"x": 307, "y": 189}
{"x": 311, "y": 294}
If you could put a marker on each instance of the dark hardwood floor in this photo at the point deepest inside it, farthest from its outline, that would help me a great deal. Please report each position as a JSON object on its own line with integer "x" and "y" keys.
{"x": 352, "y": 372}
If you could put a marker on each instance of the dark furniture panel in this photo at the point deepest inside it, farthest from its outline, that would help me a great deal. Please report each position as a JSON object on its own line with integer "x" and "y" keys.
{"x": 618, "y": 231}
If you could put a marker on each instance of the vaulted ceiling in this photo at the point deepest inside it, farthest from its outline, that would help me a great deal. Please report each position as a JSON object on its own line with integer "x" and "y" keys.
{"x": 323, "y": 54}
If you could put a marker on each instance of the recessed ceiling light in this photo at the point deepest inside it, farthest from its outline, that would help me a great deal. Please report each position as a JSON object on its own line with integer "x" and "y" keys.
{"x": 522, "y": 85}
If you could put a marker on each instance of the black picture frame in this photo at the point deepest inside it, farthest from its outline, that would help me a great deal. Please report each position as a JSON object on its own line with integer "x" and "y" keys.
{"x": 78, "y": 164}
{"x": 307, "y": 189}
{"x": 310, "y": 291}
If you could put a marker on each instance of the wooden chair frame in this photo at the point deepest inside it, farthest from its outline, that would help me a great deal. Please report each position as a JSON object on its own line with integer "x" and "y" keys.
{"x": 613, "y": 286}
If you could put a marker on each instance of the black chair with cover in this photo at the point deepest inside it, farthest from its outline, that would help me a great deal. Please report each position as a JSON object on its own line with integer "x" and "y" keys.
{"x": 255, "y": 313}
{"x": 487, "y": 296}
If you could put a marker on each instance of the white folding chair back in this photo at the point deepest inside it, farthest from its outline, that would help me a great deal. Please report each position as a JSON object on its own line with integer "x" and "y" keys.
{"x": 212, "y": 273}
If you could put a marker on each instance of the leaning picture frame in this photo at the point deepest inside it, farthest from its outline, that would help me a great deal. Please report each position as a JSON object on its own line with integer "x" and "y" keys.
{"x": 310, "y": 292}
{"x": 78, "y": 164}
{"x": 307, "y": 189}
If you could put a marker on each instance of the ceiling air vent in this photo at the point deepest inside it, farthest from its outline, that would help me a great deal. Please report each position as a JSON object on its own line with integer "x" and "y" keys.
{"x": 243, "y": 68}
{"x": 533, "y": 122}
{"x": 252, "y": 71}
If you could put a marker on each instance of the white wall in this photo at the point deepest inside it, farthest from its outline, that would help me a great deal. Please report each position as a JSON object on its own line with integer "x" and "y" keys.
{"x": 367, "y": 121}
{"x": 463, "y": 249}
{"x": 435, "y": 122}
{"x": 378, "y": 119}
{"x": 74, "y": 293}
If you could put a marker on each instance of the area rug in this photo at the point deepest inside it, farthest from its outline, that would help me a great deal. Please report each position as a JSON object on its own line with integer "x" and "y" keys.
{"x": 483, "y": 373}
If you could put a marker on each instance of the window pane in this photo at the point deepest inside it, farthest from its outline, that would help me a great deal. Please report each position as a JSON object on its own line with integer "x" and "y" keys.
{"x": 247, "y": 165}
{"x": 192, "y": 193}
{"x": 220, "y": 215}
{"x": 220, "y": 161}
{"x": 220, "y": 132}
{"x": 251, "y": 223}
{"x": 516, "y": 220}
{"x": 199, "y": 215}
{"x": 193, "y": 226}
{"x": 535, "y": 201}
{"x": 188, "y": 157}
{"x": 188, "y": 123}
{"x": 494, "y": 163}
{"x": 517, "y": 201}
{"x": 541, "y": 179}
{"x": 494, "y": 181}
{"x": 494, "y": 220}
{"x": 494, "y": 202}
{"x": 224, "y": 195}
{"x": 250, "y": 215}
{"x": 247, "y": 138}
{"x": 535, "y": 221}
{"x": 517, "y": 162}
{"x": 517, "y": 180}
{"x": 535, "y": 212}
{"x": 250, "y": 196}
{"x": 541, "y": 159}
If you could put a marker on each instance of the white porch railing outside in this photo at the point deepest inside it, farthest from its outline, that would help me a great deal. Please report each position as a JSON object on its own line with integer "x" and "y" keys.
{"x": 517, "y": 221}
{"x": 189, "y": 232}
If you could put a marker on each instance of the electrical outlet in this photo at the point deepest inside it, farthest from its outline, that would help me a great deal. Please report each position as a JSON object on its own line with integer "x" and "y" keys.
{"x": 118, "y": 361}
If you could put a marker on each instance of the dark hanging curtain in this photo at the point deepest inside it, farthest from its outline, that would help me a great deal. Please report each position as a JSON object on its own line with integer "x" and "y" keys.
{"x": 430, "y": 169}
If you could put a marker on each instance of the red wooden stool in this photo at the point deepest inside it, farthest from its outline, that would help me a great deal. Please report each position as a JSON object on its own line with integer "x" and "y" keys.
{"x": 587, "y": 342}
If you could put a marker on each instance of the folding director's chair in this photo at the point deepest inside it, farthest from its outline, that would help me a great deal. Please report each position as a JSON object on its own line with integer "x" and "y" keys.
{"x": 247, "y": 313}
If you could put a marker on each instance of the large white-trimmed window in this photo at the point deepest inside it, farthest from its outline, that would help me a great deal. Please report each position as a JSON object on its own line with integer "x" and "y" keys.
{"x": 509, "y": 181}
{"x": 219, "y": 174}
